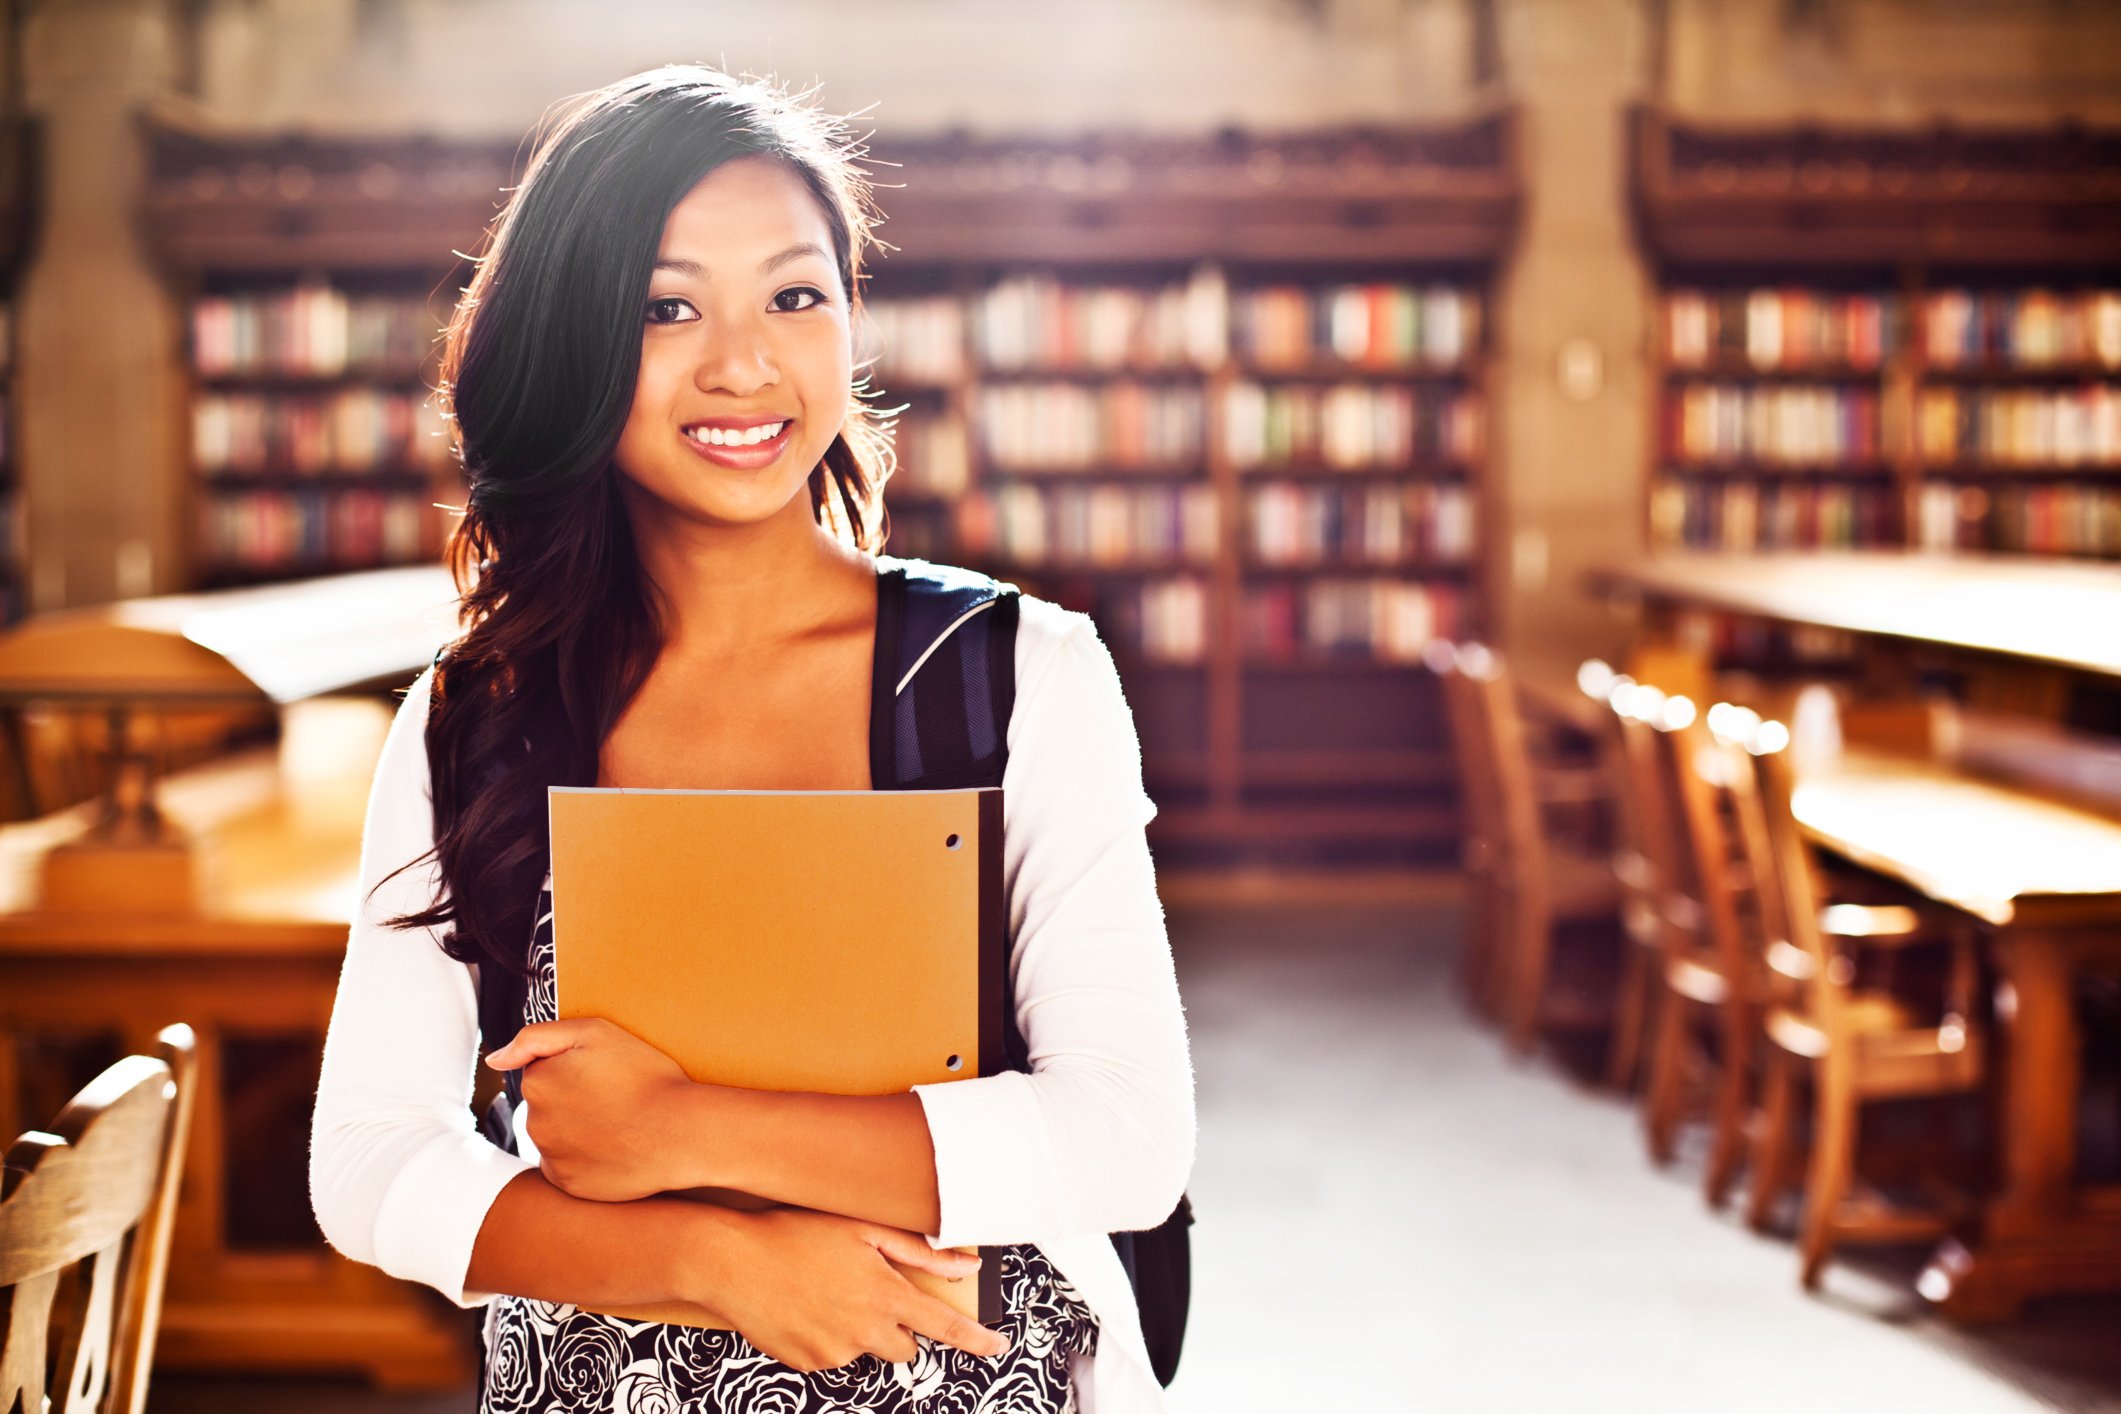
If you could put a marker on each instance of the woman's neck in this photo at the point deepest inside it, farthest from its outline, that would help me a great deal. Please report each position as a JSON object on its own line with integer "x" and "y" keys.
{"x": 727, "y": 589}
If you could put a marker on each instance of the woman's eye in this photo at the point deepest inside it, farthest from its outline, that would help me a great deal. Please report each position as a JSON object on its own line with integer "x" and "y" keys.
{"x": 670, "y": 310}
{"x": 817, "y": 297}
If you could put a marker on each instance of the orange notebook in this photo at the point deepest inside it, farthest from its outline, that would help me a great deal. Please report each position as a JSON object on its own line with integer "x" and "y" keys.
{"x": 841, "y": 942}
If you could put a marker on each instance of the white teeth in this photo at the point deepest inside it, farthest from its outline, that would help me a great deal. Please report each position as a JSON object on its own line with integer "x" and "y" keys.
{"x": 716, "y": 437}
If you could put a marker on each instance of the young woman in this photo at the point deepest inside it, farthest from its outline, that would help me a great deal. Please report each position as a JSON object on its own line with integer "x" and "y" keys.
{"x": 667, "y": 582}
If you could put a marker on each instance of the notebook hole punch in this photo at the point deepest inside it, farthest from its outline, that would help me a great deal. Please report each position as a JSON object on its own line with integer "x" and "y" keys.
{"x": 953, "y": 842}
{"x": 954, "y": 1063}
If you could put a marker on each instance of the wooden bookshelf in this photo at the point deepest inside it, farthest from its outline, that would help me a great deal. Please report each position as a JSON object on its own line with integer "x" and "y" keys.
{"x": 1274, "y": 672}
{"x": 317, "y": 275}
{"x": 1228, "y": 396}
{"x": 1871, "y": 338}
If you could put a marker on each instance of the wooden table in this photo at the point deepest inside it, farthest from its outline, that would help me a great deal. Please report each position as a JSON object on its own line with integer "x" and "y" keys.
{"x": 2058, "y": 613}
{"x": 254, "y": 973}
{"x": 2046, "y": 879}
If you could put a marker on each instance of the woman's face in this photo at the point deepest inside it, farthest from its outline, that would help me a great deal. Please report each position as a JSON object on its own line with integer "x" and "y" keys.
{"x": 745, "y": 328}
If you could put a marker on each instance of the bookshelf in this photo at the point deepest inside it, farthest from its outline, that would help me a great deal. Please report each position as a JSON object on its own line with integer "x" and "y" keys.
{"x": 1874, "y": 339}
{"x": 314, "y": 297}
{"x": 1228, "y": 396}
{"x": 1226, "y": 393}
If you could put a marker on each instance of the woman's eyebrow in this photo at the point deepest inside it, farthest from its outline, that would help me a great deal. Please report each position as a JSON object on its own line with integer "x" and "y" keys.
{"x": 694, "y": 270}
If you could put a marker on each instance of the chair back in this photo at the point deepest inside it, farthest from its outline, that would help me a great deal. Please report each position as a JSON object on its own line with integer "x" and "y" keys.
{"x": 1520, "y": 838}
{"x": 1801, "y": 959}
{"x": 1702, "y": 777}
{"x": 1649, "y": 790}
{"x": 98, "y": 1188}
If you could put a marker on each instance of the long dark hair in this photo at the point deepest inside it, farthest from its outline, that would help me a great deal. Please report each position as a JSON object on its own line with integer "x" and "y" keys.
{"x": 559, "y": 626}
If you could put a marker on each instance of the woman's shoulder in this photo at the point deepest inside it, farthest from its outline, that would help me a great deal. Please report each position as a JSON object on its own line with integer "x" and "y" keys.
{"x": 1045, "y": 630}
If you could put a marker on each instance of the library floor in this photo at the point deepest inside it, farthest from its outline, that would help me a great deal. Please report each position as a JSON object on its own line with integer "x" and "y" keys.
{"x": 1394, "y": 1216}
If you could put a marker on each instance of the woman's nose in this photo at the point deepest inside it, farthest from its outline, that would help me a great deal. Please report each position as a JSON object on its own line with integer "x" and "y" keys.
{"x": 738, "y": 360}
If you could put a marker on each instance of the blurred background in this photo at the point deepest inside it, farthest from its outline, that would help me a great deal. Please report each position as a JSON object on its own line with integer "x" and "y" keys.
{"x": 1605, "y": 511}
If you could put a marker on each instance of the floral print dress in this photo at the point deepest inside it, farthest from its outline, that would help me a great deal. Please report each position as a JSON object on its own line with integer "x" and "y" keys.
{"x": 543, "y": 1358}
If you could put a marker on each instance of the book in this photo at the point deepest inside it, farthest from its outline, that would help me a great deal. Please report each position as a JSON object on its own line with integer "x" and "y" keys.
{"x": 833, "y": 942}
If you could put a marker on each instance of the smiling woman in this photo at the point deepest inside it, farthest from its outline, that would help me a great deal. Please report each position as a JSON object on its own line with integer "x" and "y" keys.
{"x": 667, "y": 582}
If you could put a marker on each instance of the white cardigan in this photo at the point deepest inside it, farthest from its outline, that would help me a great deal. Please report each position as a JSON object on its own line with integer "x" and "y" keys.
{"x": 1098, "y": 1138}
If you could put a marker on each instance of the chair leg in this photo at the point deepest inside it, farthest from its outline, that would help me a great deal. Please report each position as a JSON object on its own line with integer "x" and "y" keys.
{"x": 1665, "y": 1092}
{"x": 1733, "y": 1091}
{"x": 1832, "y": 1169}
{"x": 1527, "y": 985}
{"x": 1479, "y": 944}
{"x": 1624, "y": 1059}
{"x": 1773, "y": 1140}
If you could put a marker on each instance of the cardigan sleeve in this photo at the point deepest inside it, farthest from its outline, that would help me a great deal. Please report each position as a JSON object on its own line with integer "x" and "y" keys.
{"x": 1099, "y": 1137}
{"x": 399, "y": 1176}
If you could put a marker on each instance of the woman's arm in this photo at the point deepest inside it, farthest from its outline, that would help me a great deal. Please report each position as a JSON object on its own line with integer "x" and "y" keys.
{"x": 1100, "y": 1136}
{"x": 401, "y": 1179}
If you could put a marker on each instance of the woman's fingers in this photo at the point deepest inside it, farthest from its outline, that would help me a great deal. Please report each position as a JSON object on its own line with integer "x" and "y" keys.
{"x": 924, "y": 1315}
{"x": 910, "y": 1249}
{"x": 540, "y": 1040}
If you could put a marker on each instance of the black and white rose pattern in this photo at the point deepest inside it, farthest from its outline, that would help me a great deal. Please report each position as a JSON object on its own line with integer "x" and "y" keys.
{"x": 543, "y": 1358}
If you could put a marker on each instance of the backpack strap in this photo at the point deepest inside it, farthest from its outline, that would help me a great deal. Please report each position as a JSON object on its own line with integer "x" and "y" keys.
{"x": 948, "y": 678}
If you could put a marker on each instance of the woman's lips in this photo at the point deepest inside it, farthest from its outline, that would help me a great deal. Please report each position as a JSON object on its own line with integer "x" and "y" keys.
{"x": 749, "y": 458}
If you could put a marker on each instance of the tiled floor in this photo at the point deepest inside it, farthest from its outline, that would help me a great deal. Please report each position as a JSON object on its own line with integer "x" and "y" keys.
{"x": 1395, "y": 1217}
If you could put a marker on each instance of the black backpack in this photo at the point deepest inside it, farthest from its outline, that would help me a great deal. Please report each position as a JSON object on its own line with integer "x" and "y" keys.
{"x": 939, "y": 720}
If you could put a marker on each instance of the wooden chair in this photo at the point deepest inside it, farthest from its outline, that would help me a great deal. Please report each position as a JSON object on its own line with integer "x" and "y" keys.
{"x": 1853, "y": 1044}
{"x": 1527, "y": 888}
{"x": 99, "y": 1188}
{"x": 1641, "y": 860}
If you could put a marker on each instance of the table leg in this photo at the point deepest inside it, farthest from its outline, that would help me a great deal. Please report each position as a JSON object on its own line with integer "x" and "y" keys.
{"x": 2038, "y": 1234}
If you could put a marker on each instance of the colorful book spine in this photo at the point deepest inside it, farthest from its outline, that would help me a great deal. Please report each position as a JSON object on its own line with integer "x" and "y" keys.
{"x": 1778, "y": 329}
{"x": 1351, "y": 426}
{"x": 1293, "y": 524}
{"x": 1383, "y": 326}
{"x": 2021, "y": 426}
{"x": 351, "y": 432}
{"x": 1072, "y": 426}
{"x": 934, "y": 456}
{"x": 2022, "y": 329}
{"x": 1772, "y": 424}
{"x": 1035, "y": 322}
{"x": 1100, "y": 526}
{"x": 310, "y": 331}
{"x": 914, "y": 340}
{"x": 1373, "y": 619}
{"x": 313, "y": 529}
{"x": 2063, "y": 518}
{"x": 1748, "y": 516}
{"x": 1160, "y": 620}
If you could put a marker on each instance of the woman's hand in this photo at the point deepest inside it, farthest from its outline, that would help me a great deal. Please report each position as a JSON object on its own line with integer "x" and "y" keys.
{"x": 815, "y": 1291}
{"x": 608, "y": 1111}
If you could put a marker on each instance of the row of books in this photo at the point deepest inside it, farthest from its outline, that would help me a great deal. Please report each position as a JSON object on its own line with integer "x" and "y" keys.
{"x": 1744, "y": 516}
{"x": 352, "y": 431}
{"x": 1352, "y": 426}
{"x": 1392, "y": 325}
{"x": 1376, "y": 619}
{"x": 933, "y": 454}
{"x": 1782, "y": 424}
{"x": 2060, "y": 519}
{"x": 1059, "y": 426}
{"x": 1105, "y": 525}
{"x": 2032, "y": 328}
{"x": 1773, "y": 329}
{"x": 1038, "y": 322}
{"x": 2022, "y": 426}
{"x": 1295, "y": 524}
{"x": 308, "y": 529}
{"x": 309, "y": 331}
{"x": 1161, "y": 620}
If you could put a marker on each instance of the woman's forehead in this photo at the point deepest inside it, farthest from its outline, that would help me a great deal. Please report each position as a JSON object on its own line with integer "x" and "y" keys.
{"x": 741, "y": 215}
